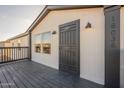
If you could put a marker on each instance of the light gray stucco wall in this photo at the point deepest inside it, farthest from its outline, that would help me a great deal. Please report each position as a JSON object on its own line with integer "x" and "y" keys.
{"x": 91, "y": 41}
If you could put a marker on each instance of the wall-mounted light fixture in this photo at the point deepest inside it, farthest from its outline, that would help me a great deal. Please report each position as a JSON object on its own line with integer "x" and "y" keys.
{"x": 88, "y": 25}
{"x": 54, "y": 32}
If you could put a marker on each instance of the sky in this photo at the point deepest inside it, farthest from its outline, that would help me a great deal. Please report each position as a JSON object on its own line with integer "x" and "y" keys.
{"x": 16, "y": 19}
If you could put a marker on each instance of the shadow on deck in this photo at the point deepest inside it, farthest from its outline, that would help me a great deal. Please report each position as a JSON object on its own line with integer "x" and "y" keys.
{"x": 28, "y": 74}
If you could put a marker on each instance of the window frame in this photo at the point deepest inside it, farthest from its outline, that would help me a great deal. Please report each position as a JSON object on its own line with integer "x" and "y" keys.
{"x": 36, "y": 51}
{"x": 44, "y": 51}
{"x": 42, "y": 42}
{"x": 47, "y": 41}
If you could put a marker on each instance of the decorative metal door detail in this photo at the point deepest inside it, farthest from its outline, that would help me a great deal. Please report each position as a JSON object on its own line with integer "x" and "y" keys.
{"x": 69, "y": 44}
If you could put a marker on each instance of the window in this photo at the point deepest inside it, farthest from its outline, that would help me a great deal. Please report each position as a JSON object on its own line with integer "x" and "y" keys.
{"x": 38, "y": 39}
{"x": 37, "y": 43}
{"x": 46, "y": 45}
{"x": 46, "y": 37}
{"x": 46, "y": 48}
{"x": 44, "y": 41}
{"x": 38, "y": 48}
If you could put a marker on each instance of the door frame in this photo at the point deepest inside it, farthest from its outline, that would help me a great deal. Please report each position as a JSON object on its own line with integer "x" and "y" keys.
{"x": 78, "y": 27}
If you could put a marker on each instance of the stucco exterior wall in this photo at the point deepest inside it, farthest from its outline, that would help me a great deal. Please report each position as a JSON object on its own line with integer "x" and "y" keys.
{"x": 7, "y": 44}
{"x": 122, "y": 49}
{"x": 91, "y": 41}
{"x": 22, "y": 40}
{"x": 1, "y": 44}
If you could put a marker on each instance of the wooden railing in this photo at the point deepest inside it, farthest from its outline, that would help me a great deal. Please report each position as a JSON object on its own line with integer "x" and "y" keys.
{"x": 9, "y": 54}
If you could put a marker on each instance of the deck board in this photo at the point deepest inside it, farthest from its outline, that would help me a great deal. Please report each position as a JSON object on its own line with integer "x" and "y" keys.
{"x": 23, "y": 79}
{"x": 16, "y": 78}
{"x": 41, "y": 80}
{"x": 4, "y": 82}
{"x": 51, "y": 80}
{"x": 32, "y": 78}
{"x": 28, "y": 74}
{"x": 10, "y": 81}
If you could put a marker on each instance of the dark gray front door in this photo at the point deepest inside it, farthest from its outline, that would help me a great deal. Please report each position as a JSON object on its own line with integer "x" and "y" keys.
{"x": 69, "y": 42}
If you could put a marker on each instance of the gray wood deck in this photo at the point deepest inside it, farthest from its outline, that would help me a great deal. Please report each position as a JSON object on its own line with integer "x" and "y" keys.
{"x": 28, "y": 74}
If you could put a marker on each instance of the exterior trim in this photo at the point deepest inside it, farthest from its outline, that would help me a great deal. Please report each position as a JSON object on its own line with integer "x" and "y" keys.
{"x": 111, "y": 8}
{"x": 68, "y": 7}
{"x": 30, "y": 46}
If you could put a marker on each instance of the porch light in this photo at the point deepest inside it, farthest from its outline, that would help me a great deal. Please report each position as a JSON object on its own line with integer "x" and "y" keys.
{"x": 54, "y": 32}
{"x": 88, "y": 25}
